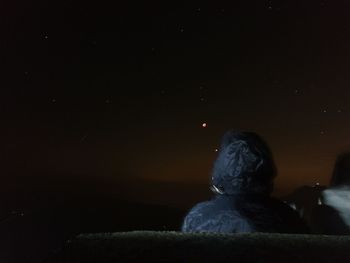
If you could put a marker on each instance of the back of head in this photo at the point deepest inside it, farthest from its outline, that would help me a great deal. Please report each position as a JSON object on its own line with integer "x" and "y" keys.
{"x": 244, "y": 165}
{"x": 341, "y": 172}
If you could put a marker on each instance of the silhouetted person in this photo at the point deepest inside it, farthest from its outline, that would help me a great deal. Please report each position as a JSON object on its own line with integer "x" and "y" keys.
{"x": 332, "y": 216}
{"x": 242, "y": 180}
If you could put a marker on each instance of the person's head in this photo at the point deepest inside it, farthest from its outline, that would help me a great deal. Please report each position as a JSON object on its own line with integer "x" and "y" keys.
{"x": 244, "y": 165}
{"x": 341, "y": 172}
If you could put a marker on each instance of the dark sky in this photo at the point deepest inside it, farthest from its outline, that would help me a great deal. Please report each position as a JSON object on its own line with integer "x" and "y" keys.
{"x": 120, "y": 89}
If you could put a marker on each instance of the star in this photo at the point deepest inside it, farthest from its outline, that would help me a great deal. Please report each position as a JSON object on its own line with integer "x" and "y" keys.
{"x": 204, "y": 125}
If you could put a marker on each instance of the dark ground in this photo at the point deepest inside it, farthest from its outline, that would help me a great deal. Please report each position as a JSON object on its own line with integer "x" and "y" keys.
{"x": 178, "y": 247}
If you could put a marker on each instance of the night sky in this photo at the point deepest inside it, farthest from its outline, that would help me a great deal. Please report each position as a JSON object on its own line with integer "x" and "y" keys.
{"x": 139, "y": 93}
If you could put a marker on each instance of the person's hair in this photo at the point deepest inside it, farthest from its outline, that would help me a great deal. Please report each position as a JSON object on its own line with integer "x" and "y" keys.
{"x": 244, "y": 165}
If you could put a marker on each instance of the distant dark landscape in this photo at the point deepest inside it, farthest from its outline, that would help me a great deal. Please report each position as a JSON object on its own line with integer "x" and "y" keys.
{"x": 40, "y": 221}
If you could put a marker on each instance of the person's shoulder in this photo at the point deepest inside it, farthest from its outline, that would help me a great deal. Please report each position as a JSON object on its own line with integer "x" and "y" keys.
{"x": 217, "y": 203}
{"x": 338, "y": 198}
{"x": 211, "y": 216}
{"x": 201, "y": 207}
{"x": 339, "y": 191}
{"x": 195, "y": 216}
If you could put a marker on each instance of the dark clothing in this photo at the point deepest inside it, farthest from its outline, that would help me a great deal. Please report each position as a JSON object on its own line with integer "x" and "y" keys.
{"x": 243, "y": 213}
{"x": 304, "y": 200}
{"x": 332, "y": 216}
{"x": 326, "y": 220}
{"x": 242, "y": 178}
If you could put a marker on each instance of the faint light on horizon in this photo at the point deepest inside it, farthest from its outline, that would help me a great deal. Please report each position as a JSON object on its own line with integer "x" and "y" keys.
{"x": 204, "y": 125}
